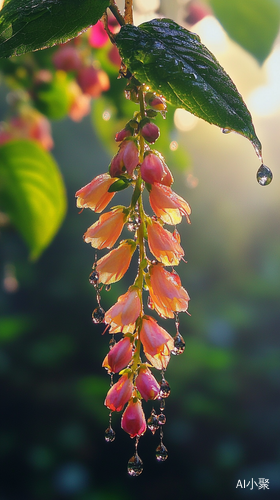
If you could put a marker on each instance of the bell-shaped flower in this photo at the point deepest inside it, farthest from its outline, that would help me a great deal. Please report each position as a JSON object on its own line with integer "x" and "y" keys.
{"x": 163, "y": 245}
{"x": 154, "y": 169}
{"x": 114, "y": 265}
{"x": 105, "y": 232}
{"x": 123, "y": 314}
{"x": 120, "y": 393}
{"x": 119, "y": 356}
{"x": 127, "y": 158}
{"x": 157, "y": 343}
{"x": 167, "y": 205}
{"x": 95, "y": 194}
{"x": 133, "y": 419}
{"x": 166, "y": 292}
{"x": 146, "y": 384}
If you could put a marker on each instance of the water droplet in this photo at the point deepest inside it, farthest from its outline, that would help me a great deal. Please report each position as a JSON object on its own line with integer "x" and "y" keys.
{"x": 152, "y": 422}
{"x": 135, "y": 465}
{"x": 179, "y": 344}
{"x": 98, "y": 315}
{"x": 264, "y": 175}
{"x": 108, "y": 288}
{"x": 150, "y": 303}
{"x": 164, "y": 389}
{"x": 161, "y": 453}
{"x": 112, "y": 342}
{"x": 93, "y": 278}
{"x": 226, "y": 130}
{"x": 130, "y": 226}
{"x": 162, "y": 404}
{"x": 161, "y": 419}
{"x": 110, "y": 435}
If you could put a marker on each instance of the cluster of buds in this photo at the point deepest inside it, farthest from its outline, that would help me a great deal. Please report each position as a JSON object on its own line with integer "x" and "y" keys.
{"x": 77, "y": 78}
{"x": 144, "y": 344}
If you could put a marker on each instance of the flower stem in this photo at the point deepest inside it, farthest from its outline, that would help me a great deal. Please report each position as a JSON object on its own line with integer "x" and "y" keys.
{"x": 115, "y": 11}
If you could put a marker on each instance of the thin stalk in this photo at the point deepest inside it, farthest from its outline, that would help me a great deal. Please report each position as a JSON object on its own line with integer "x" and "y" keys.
{"x": 115, "y": 11}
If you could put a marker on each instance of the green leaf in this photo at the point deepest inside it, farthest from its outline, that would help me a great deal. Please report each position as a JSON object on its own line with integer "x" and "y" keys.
{"x": 254, "y": 24}
{"x": 31, "y": 192}
{"x": 173, "y": 62}
{"x": 119, "y": 185}
{"x": 53, "y": 99}
{"x": 27, "y": 25}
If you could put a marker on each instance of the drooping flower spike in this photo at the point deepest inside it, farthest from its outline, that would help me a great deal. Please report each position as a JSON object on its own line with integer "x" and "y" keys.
{"x": 144, "y": 343}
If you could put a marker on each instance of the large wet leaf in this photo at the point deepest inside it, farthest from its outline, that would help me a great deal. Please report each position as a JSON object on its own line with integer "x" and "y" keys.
{"x": 31, "y": 193}
{"x": 27, "y": 25}
{"x": 173, "y": 62}
{"x": 254, "y": 24}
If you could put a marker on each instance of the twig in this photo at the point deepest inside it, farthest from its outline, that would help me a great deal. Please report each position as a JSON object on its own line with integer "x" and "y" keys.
{"x": 115, "y": 11}
{"x": 128, "y": 12}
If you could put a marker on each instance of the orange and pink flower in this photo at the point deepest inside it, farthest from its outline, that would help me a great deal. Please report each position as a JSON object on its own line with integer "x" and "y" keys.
{"x": 133, "y": 419}
{"x": 146, "y": 384}
{"x": 119, "y": 356}
{"x": 166, "y": 292}
{"x": 168, "y": 205}
{"x": 95, "y": 194}
{"x": 123, "y": 314}
{"x": 164, "y": 246}
{"x": 114, "y": 265}
{"x": 157, "y": 343}
{"x": 120, "y": 393}
{"x": 105, "y": 232}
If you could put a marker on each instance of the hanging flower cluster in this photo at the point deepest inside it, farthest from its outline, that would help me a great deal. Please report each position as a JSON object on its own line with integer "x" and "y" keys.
{"x": 144, "y": 344}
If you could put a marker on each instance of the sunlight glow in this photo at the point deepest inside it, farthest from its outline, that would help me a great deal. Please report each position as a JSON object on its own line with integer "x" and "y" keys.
{"x": 265, "y": 100}
{"x": 212, "y": 34}
{"x": 184, "y": 121}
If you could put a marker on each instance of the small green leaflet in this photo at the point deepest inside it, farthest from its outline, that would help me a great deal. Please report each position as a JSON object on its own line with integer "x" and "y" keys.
{"x": 119, "y": 185}
{"x": 31, "y": 193}
{"x": 173, "y": 62}
{"x": 254, "y": 24}
{"x": 28, "y": 25}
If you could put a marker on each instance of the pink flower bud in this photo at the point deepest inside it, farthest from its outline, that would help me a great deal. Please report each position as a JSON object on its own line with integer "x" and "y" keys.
{"x": 67, "y": 58}
{"x": 152, "y": 169}
{"x": 98, "y": 36}
{"x": 130, "y": 155}
{"x": 127, "y": 158}
{"x": 119, "y": 356}
{"x": 133, "y": 419}
{"x": 150, "y": 132}
{"x": 93, "y": 81}
{"x": 120, "y": 393}
{"x": 120, "y": 136}
{"x": 114, "y": 56}
{"x": 155, "y": 101}
{"x": 146, "y": 384}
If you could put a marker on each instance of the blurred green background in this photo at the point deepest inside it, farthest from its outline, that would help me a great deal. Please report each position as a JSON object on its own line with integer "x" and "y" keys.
{"x": 223, "y": 412}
